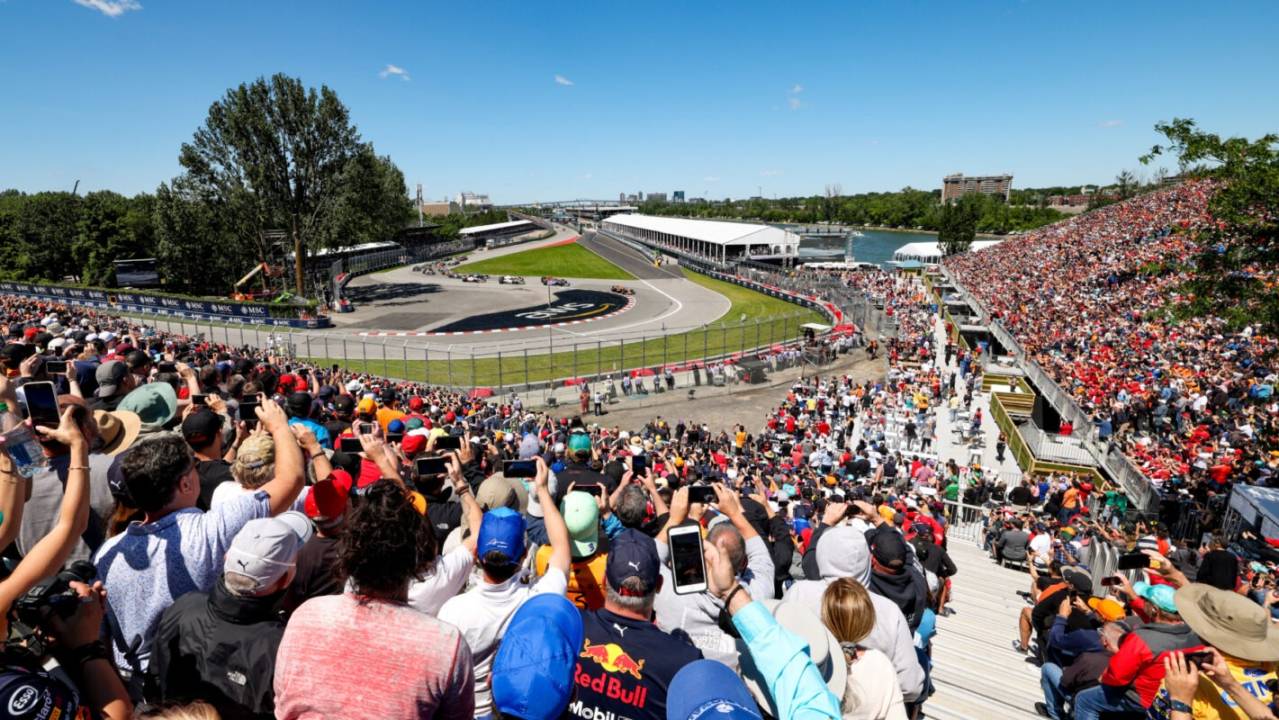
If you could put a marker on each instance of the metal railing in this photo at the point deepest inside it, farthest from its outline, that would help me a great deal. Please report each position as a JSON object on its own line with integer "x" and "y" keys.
{"x": 1055, "y": 448}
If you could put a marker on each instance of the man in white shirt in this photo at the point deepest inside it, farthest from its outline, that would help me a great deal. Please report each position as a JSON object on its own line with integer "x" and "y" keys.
{"x": 483, "y": 613}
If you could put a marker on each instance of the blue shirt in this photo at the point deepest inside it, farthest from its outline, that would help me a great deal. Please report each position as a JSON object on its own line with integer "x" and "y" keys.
{"x": 321, "y": 434}
{"x": 782, "y": 661}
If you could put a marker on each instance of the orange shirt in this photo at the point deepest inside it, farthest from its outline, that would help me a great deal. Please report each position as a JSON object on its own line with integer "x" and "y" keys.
{"x": 385, "y": 415}
{"x": 585, "y": 578}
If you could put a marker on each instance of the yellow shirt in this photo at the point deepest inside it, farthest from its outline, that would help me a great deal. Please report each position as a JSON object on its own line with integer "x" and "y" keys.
{"x": 1213, "y": 703}
{"x": 585, "y": 577}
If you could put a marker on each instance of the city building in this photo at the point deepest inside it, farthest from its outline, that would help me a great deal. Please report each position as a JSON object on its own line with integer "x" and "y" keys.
{"x": 470, "y": 202}
{"x": 657, "y": 197}
{"x": 724, "y": 242}
{"x": 677, "y": 196}
{"x": 621, "y": 198}
{"x": 956, "y": 186}
{"x": 437, "y": 208}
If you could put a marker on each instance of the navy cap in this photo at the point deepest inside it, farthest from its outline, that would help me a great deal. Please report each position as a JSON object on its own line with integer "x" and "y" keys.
{"x": 532, "y": 676}
{"x": 502, "y": 530}
{"x": 709, "y": 689}
{"x": 632, "y": 554}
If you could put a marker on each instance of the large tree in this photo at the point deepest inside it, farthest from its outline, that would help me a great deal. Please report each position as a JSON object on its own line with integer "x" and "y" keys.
{"x": 1236, "y": 269}
{"x": 281, "y": 157}
{"x": 958, "y": 224}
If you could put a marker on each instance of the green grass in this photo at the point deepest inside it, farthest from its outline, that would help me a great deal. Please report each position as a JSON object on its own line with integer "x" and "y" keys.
{"x": 768, "y": 321}
{"x": 566, "y": 261}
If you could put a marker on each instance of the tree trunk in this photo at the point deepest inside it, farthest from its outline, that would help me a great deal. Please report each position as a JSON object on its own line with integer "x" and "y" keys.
{"x": 297, "y": 262}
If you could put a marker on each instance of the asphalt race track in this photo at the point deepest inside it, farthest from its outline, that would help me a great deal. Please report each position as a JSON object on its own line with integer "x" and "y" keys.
{"x": 569, "y": 306}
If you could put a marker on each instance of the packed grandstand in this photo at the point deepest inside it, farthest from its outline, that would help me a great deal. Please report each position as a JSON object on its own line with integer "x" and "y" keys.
{"x": 268, "y": 532}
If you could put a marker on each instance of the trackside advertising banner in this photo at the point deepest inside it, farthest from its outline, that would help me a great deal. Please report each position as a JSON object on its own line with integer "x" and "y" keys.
{"x": 166, "y": 306}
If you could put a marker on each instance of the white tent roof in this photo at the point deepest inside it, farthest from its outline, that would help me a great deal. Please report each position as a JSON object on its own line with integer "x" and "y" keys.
{"x": 481, "y": 229}
{"x": 710, "y": 231}
{"x": 932, "y": 250}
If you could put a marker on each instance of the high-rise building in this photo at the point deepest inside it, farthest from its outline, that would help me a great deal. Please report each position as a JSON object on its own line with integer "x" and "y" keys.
{"x": 473, "y": 201}
{"x": 956, "y": 186}
{"x": 657, "y": 197}
{"x": 677, "y": 196}
{"x": 621, "y": 197}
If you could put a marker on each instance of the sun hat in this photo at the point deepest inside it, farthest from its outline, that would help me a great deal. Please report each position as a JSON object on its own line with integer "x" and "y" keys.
{"x": 155, "y": 403}
{"x": 823, "y": 649}
{"x": 118, "y": 430}
{"x": 1161, "y": 596}
{"x": 709, "y": 689}
{"x": 532, "y": 675}
{"x": 1228, "y": 621}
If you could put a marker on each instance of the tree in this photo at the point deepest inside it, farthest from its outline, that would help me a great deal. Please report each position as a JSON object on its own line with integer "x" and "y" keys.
{"x": 1235, "y": 269}
{"x": 279, "y": 156}
{"x": 1126, "y": 184}
{"x": 958, "y": 224}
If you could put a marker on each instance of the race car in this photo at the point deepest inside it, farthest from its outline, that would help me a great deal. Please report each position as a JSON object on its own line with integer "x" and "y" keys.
{"x": 554, "y": 281}
{"x": 510, "y": 280}
{"x": 474, "y": 278}
{"x": 622, "y": 290}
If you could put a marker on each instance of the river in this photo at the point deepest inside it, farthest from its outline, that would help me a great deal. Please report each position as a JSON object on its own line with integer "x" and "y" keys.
{"x": 874, "y": 246}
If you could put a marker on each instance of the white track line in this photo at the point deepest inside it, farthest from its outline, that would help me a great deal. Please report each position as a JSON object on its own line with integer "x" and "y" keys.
{"x": 678, "y": 306}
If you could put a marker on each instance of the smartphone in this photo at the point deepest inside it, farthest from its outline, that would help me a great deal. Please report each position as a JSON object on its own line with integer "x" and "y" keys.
{"x": 366, "y": 428}
{"x": 248, "y": 412}
{"x": 55, "y": 367}
{"x": 199, "y": 400}
{"x": 592, "y": 489}
{"x": 639, "y": 464}
{"x": 42, "y": 403}
{"x": 701, "y": 494}
{"x": 395, "y": 437}
{"x": 166, "y": 367}
{"x": 428, "y": 466}
{"x": 1133, "y": 561}
{"x": 688, "y": 564}
{"x": 350, "y": 445}
{"x": 1110, "y": 581}
{"x": 448, "y": 442}
{"x": 1199, "y": 658}
{"x": 519, "y": 468}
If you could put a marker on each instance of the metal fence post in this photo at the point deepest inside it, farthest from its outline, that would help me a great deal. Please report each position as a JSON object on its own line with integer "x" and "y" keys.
{"x": 385, "y": 371}
{"x": 364, "y": 353}
{"x": 404, "y": 353}
{"x": 526, "y": 381}
{"x": 499, "y": 371}
{"x": 308, "y": 346}
{"x": 426, "y": 361}
{"x": 574, "y": 360}
{"x": 346, "y": 360}
{"x": 472, "y": 353}
{"x": 599, "y": 359}
{"x": 448, "y": 360}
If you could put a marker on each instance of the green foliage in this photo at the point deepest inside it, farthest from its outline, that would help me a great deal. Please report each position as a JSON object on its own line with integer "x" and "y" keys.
{"x": 274, "y": 155}
{"x": 1238, "y": 260}
{"x": 566, "y": 261}
{"x": 908, "y": 209}
{"x": 958, "y": 224}
{"x": 53, "y": 236}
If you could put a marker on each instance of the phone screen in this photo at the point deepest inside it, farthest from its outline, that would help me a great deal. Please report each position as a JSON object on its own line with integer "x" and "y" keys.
{"x": 198, "y": 399}
{"x": 639, "y": 464}
{"x": 1133, "y": 561}
{"x": 395, "y": 437}
{"x": 366, "y": 428}
{"x": 519, "y": 468}
{"x": 448, "y": 442}
{"x": 593, "y": 489}
{"x": 166, "y": 367}
{"x": 55, "y": 367}
{"x": 687, "y": 562}
{"x": 1109, "y": 581}
{"x": 249, "y": 412}
{"x": 431, "y": 466}
{"x": 350, "y": 445}
{"x": 42, "y": 403}
{"x": 701, "y": 494}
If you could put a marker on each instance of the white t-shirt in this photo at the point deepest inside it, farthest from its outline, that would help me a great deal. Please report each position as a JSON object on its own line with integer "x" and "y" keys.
{"x": 1042, "y": 544}
{"x": 482, "y": 615}
{"x": 872, "y": 692}
{"x": 227, "y": 491}
{"x": 445, "y": 580}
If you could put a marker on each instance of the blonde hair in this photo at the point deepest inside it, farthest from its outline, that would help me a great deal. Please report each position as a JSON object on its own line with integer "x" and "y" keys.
{"x": 255, "y": 461}
{"x": 847, "y": 611}
{"x": 195, "y": 711}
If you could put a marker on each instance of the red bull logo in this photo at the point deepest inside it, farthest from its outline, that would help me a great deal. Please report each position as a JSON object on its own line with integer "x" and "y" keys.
{"x": 613, "y": 658}
{"x": 612, "y": 684}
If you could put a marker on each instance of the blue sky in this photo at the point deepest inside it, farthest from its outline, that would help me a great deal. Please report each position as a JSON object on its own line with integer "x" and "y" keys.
{"x": 558, "y": 100}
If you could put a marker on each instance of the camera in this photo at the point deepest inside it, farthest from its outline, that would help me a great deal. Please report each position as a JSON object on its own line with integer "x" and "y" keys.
{"x": 50, "y": 597}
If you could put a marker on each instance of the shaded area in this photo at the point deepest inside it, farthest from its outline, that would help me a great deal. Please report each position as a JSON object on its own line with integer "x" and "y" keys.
{"x": 627, "y": 258}
{"x": 408, "y": 320}
{"x": 390, "y": 293}
{"x": 568, "y": 305}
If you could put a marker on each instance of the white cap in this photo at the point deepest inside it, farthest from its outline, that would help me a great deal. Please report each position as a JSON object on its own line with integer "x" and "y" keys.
{"x": 267, "y": 548}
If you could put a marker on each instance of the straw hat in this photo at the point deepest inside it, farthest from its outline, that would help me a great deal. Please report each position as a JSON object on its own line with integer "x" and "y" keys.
{"x": 118, "y": 430}
{"x": 1229, "y": 622}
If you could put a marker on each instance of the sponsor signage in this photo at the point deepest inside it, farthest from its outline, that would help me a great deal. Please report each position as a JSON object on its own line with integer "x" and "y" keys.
{"x": 251, "y": 313}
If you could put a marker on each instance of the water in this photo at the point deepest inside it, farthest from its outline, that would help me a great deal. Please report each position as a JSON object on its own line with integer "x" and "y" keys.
{"x": 875, "y": 246}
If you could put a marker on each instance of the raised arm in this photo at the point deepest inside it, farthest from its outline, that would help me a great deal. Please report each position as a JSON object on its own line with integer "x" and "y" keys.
{"x": 289, "y": 474}
{"x": 556, "y": 529}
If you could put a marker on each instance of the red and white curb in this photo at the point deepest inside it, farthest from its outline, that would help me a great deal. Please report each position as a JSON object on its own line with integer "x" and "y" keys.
{"x": 630, "y": 303}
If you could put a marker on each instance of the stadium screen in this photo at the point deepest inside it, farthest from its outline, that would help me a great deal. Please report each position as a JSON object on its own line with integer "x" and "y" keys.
{"x": 136, "y": 273}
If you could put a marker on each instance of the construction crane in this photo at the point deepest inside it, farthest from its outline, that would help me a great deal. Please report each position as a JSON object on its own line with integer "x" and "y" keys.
{"x": 267, "y": 271}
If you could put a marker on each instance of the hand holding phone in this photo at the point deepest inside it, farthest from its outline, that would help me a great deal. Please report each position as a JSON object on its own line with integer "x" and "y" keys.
{"x": 1133, "y": 561}
{"x": 704, "y": 494}
{"x": 688, "y": 559}
{"x": 42, "y": 404}
{"x": 519, "y": 468}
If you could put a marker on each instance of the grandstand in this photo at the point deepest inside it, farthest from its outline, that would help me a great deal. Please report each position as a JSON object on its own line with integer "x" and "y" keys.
{"x": 721, "y": 241}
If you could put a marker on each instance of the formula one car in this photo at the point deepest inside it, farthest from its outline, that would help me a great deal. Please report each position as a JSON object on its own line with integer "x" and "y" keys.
{"x": 622, "y": 290}
{"x": 510, "y": 280}
{"x": 554, "y": 281}
{"x": 475, "y": 278}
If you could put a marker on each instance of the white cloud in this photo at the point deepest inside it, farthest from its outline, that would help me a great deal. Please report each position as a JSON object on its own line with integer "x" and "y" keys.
{"x": 110, "y": 8}
{"x": 793, "y": 103}
{"x": 394, "y": 70}
{"x": 561, "y": 80}
{"x": 1110, "y": 123}
{"x": 797, "y": 89}
{"x": 710, "y": 178}
{"x": 769, "y": 173}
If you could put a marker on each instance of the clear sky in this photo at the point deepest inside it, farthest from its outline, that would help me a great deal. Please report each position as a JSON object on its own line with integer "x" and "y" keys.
{"x": 560, "y": 100}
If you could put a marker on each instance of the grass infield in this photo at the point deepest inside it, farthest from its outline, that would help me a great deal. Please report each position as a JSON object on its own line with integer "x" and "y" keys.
{"x": 567, "y": 261}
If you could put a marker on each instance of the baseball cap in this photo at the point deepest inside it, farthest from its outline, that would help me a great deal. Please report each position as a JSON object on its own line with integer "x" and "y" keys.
{"x": 267, "y": 548}
{"x": 502, "y": 530}
{"x": 709, "y": 689}
{"x": 1079, "y": 581}
{"x": 366, "y": 406}
{"x": 532, "y": 675}
{"x": 326, "y": 501}
{"x": 1109, "y": 609}
{"x": 344, "y": 403}
{"x": 413, "y": 444}
{"x": 1161, "y": 596}
{"x": 201, "y": 427}
{"x": 254, "y": 452}
{"x": 579, "y": 442}
{"x": 582, "y": 516}
{"x": 298, "y": 404}
{"x": 109, "y": 376}
{"x": 889, "y": 549}
{"x": 632, "y": 555}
